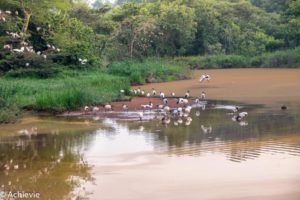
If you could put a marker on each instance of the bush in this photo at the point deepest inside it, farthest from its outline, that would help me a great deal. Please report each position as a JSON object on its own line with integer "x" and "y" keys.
{"x": 61, "y": 93}
{"x": 148, "y": 71}
{"x": 9, "y": 114}
{"x": 284, "y": 58}
{"x": 214, "y": 61}
{"x": 33, "y": 73}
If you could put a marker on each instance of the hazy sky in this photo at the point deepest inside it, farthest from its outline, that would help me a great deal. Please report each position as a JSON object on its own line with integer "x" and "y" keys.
{"x": 91, "y": 1}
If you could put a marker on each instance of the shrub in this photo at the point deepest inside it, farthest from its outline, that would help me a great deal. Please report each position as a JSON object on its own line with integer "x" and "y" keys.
{"x": 214, "y": 61}
{"x": 61, "y": 93}
{"x": 148, "y": 71}
{"x": 33, "y": 73}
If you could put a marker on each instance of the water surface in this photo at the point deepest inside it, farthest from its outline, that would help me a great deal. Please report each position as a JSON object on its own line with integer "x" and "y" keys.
{"x": 212, "y": 158}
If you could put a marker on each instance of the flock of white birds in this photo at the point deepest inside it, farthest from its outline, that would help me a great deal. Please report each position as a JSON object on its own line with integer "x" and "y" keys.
{"x": 24, "y": 46}
{"x": 178, "y": 114}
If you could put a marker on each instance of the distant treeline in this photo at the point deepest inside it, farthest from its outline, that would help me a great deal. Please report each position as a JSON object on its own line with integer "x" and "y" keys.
{"x": 71, "y": 34}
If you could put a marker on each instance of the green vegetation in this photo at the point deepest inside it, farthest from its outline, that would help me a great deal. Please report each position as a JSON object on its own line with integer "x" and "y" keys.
{"x": 65, "y": 92}
{"x": 284, "y": 58}
{"x": 148, "y": 71}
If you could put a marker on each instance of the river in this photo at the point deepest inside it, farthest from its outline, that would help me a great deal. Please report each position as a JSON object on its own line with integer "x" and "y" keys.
{"x": 213, "y": 157}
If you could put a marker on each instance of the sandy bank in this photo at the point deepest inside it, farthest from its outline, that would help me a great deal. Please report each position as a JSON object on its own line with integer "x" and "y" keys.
{"x": 259, "y": 86}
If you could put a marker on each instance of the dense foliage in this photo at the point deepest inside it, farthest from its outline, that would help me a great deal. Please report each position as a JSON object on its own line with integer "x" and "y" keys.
{"x": 72, "y": 34}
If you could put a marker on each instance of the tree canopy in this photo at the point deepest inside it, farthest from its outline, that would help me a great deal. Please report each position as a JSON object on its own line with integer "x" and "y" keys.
{"x": 67, "y": 32}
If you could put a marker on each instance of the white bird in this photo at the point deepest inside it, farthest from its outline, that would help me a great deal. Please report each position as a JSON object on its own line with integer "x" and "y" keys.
{"x": 23, "y": 132}
{"x": 243, "y": 123}
{"x": 180, "y": 121}
{"x": 197, "y": 113}
{"x": 134, "y": 91}
{"x": 185, "y": 115}
{"x": 107, "y": 107}
{"x": 203, "y": 95}
{"x": 165, "y": 100}
{"x": 141, "y": 115}
{"x": 44, "y": 56}
{"x": 125, "y": 107}
{"x": 141, "y": 128}
{"x": 148, "y": 94}
{"x": 38, "y": 28}
{"x": 6, "y": 46}
{"x": 165, "y": 120}
{"x": 8, "y": 12}
{"x": 149, "y": 106}
{"x": 153, "y": 92}
{"x": 204, "y": 77}
{"x": 167, "y": 108}
{"x": 239, "y": 117}
{"x": 162, "y": 95}
{"x": 180, "y": 109}
{"x": 187, "y": 94}
{"x": 27, "y": 64}
{"x": 187, "y": 123}
{"x": 197, "y": 100}
{"x": 16, "y": 12}
{"x": 160, "y": 106}
{"x": 243, "y": 114}
{"x": 173, "y": 94}
{"x": 122, "y": 91}
{"x": 95, "y": 109}
{"x": 206, "y": 129}
{"x": 86, "y": 108}
{"x": 19, "y": 50}
{"x": 188, "y": 109}
{"x": 182, "y": 101}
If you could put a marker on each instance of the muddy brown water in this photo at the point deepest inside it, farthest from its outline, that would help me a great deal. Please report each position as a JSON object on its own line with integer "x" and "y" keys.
{"x": 213, "y": 157}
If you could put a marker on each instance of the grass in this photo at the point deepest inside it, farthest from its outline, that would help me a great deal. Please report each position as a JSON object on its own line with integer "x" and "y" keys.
{"x": 67, "y": 91}
{"x": 284, "y": 58}
{"x": 57, "y": 89}
{"x": 149, "y": 71}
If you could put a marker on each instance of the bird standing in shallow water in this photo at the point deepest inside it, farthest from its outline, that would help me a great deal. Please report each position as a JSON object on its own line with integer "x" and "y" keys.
{"x": 125, "y": 107}
{"x": 283, "y": 107}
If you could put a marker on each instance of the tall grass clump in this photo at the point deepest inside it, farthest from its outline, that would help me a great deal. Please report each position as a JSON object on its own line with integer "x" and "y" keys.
{"x": 284, "y": 58}
{"x": 148, "y": 71}
{"x": 213, "y": 61}
{"x": 60, "y": 93}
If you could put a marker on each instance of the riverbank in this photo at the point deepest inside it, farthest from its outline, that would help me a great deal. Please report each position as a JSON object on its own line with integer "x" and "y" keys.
{"x": 271, "y": 87}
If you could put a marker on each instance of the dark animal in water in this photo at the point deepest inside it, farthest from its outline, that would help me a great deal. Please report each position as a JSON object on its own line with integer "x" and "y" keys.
{"x": 283, "y": 107}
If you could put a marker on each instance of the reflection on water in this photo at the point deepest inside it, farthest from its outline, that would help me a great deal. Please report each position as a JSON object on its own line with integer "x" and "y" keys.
{"x": 63, "y": 159}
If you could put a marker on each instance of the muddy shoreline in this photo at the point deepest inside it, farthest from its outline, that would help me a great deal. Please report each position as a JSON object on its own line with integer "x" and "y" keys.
{"x": 269, "y": 87}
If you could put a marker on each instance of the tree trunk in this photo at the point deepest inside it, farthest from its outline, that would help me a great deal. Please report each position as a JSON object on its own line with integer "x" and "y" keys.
{"x": 27, "y": 16}
{"x": 131, "y": 48}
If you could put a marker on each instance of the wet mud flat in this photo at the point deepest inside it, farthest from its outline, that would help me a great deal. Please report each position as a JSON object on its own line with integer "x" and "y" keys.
{"x": 271, "y": 87}
{"x": 134, "y": 108}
